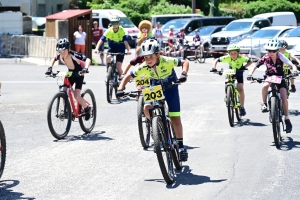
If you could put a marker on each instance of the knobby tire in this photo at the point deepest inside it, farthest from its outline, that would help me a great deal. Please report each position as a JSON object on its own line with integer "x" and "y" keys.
{"x": 143, "y": 126}
{"x": 229, "y": 105}
{"x": 109, "y": 86}
{"x": 88, "y": 125}
{"x": 275, "y": 121}
{"x": 175, "y": 149}
{"x": 2, "y": 149}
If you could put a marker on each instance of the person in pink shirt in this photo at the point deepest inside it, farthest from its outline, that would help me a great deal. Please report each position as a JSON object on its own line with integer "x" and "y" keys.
{"x": 97, "y": 33}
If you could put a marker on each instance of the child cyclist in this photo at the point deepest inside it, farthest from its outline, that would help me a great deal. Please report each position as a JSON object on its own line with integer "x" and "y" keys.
{"x": 235, "y": 61}
{"x": 161, "y": 70}
{"x": 76, "y": 63}
{"x": 283, "y": 46}
{"x": 274, "y": 62}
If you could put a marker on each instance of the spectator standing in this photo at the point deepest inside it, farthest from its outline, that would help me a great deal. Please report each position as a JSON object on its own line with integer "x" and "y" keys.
{"x": 80, "y": 38}
{"x": 97, "y": 33}
{"x": 158, "y": 33}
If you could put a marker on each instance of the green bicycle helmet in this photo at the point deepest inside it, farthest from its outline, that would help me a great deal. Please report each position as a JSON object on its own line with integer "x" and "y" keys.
{"x": 233, "y": 47}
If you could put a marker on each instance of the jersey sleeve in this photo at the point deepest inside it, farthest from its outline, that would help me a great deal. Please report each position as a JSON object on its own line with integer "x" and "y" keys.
{"x": 79, "y": 56}
{"x": 57, "y": 57}
{"x": 285, "y": 59}
{"x": 260, "y": 62}
{"x": 138, "y": 70}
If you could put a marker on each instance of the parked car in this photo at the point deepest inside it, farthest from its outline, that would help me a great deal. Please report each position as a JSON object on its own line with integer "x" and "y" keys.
{"x": 163, "y": 19}
{"x": 235, "y": 32}
{"x": 279, "y": 18}
{"x": 191, "y": 24}
{"x": 254, "y": 44}
{"x": 205, "y": 33}
{"x": 296, "y": 51}
{"x": 292, "y": 38}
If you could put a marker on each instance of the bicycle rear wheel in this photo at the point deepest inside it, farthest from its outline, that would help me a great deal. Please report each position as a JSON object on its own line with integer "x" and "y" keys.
{"x": 109, "y": 84}
{"x": 200, "y": 55}
{"x": 88, "y": 125}
{"x": 275, "y": 121}
{"x": 59, "y": 116}
{"x": 144, "y": 127}
{"x": 175, "y": 149}
{"x": 164, "y": 157}
{"x": 230, "y": 106}
{"x": 2, "y": 149}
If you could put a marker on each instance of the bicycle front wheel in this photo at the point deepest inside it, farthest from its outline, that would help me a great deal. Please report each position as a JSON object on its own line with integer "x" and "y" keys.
{"x": 230, "y": 106}
{"x": 164, "y": 157}
{"x": 144, "y": 127}
{"x": 59, "y": 116}
{"x": 109, "y": 84}
{"x": 200, "y": 56}
{"x": 275, "y": 121}
{"x": 87, "y": 123}
{"x": 2, "y": 149}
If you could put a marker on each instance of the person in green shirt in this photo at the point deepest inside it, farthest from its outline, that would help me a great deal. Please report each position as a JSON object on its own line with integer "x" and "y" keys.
{"x": 283, "y": 46}
{"x": 235, "y": 61}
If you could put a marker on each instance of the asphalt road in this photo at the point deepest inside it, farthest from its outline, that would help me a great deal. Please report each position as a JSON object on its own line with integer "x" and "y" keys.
{"x": 224, "y": 163}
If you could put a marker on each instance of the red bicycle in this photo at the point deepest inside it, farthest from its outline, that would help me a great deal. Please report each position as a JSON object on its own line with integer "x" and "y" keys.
{"x": 63, "y": 108}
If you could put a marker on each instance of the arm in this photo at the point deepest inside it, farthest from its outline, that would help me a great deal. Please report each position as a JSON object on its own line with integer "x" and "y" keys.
{"x": 287, "y": 61}
{"x": 127, "y": 47}
{"x": 127, "y": 68}
{"x": 252, "y": 71}
{"x": 215, "y": 63}
{"x": 52, "y": 62}
{"x": 99, "y": 43}
{"x": 185, "y": 66}
{"x": 85, "y": 36}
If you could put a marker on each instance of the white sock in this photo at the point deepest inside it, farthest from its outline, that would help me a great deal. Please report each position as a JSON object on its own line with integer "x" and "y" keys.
{"x": 286, "y": 117}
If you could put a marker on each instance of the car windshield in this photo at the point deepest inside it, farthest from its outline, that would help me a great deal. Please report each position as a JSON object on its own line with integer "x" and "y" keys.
{"x": 176, "y": 23}
{"x": 294, "y": 33}
{"x": 203, "y": 31}
{"x": 126, "y": 23}
{"x": 265, "y": 34}
{"x": 238, "y": 26}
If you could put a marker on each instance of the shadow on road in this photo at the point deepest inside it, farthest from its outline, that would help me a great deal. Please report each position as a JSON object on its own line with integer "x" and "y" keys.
{"x": 288, "y": 144}
{"x": 294, "y": 112}
{"x": 6, "y": 191}
{"x": 186, "y": 177}
{"x": 93, "y": 136}
{"x": 247, "y": 122}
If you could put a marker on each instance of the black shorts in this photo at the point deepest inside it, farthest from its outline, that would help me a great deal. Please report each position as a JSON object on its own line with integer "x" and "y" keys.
{"x": 119, "y": 58}
{"x": 240, "y": 79}
{"x": 77, "y": 80}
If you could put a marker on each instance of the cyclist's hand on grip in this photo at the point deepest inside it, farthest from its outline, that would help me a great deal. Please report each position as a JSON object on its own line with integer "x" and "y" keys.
{"x": 120, "y": 93}
{"x": 249, "y": 77}
{"x": 182, "y": 78}
{"x": 96, "y": 51}
{"x": 84, "y": 70}
{"x": 128, "y": 52}
{"x": 295, "y": 73}
{"x": 49, "y": 71}
{"x": 213, "y": 70}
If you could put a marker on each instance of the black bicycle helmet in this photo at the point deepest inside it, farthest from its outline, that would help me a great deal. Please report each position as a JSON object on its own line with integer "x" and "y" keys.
{"x": 283, "y": 44}
{"x": 63, "y": 44}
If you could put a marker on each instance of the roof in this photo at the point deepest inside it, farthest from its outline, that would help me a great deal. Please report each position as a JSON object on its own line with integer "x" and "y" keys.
{"x": 66, "y": 14}
{"x": 278, "y": 27}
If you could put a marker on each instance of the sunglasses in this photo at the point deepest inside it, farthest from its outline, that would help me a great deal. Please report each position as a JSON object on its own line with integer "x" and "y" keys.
{"x": 114, "y": 23}
{"x": 272, "y": 51}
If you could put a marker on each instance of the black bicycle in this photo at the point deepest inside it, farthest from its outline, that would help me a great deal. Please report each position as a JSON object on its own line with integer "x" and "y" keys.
{"x": 165, "y": 143}
{"x": 275, "y": 106}
{"x": 112, "y": 81}
{"x": 2, "y": 149}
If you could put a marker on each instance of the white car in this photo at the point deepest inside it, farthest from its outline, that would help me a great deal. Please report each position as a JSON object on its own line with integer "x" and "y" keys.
{"x": 292, "y": 38}
{"x": 254, "y": 44}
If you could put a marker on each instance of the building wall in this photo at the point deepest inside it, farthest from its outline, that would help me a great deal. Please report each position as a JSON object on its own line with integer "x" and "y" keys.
{"x": 38, "y": 8}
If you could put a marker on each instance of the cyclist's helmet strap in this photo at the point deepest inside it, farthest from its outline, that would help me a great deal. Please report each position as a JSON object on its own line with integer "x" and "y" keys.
{"x": 283, "y": 44}
{"x": 150, "y": 46}
{"x": 273, "y": 44}
{"x": 233, "y": 47}
{"x": 62, "y": 44}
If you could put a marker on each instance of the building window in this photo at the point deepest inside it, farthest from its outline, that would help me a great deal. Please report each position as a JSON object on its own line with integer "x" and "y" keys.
{"x": 59, "y": 7}
{"x": 41, "y": 12}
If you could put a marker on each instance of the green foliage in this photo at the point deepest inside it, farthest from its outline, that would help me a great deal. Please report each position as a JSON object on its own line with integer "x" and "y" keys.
{"x": 244, "y": 10}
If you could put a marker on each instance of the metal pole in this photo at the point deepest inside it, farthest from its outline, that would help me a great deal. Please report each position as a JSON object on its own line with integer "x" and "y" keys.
{"x": 194, "y": 6}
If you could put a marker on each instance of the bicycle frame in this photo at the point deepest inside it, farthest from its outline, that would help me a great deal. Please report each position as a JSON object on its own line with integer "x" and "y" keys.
{"x": 231, "y": 83}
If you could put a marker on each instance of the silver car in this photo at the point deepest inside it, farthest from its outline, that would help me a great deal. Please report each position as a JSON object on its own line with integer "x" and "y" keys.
{"x": 255, "y": 43}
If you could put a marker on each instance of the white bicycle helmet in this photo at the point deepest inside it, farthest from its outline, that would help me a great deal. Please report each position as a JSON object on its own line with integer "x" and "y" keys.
{"x": 273, "y": 44}
{"x": 172, "y": 27}
{"x": 149, "y": 46}
{"x": 115, "y": 18}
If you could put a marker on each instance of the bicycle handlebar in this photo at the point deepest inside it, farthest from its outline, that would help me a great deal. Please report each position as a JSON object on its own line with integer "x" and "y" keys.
{"x": 114, "y": 54}
{"x": 260, "y": 80}
{"x": 54, "y": 75}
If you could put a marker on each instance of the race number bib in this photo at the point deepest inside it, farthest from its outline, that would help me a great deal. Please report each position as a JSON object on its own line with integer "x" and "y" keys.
{"x": 274, "y": 79}
{"x": 229, "y": 72}
{"x": 65, "y": 74}
{"x": 142, "y": 81}
{"x": 153, "y": 93}
{"x": 197, "y": 43}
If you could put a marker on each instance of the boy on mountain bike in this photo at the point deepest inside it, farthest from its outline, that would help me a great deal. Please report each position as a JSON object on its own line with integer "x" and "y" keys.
{"x": 117, "y": 42}
{"x": 235, "y": 61}
{"x": 75, "y": 62}
{"x": 274, "y": 62}
{"x": 283, "y": 46}
{"x": 161, "y": 70}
